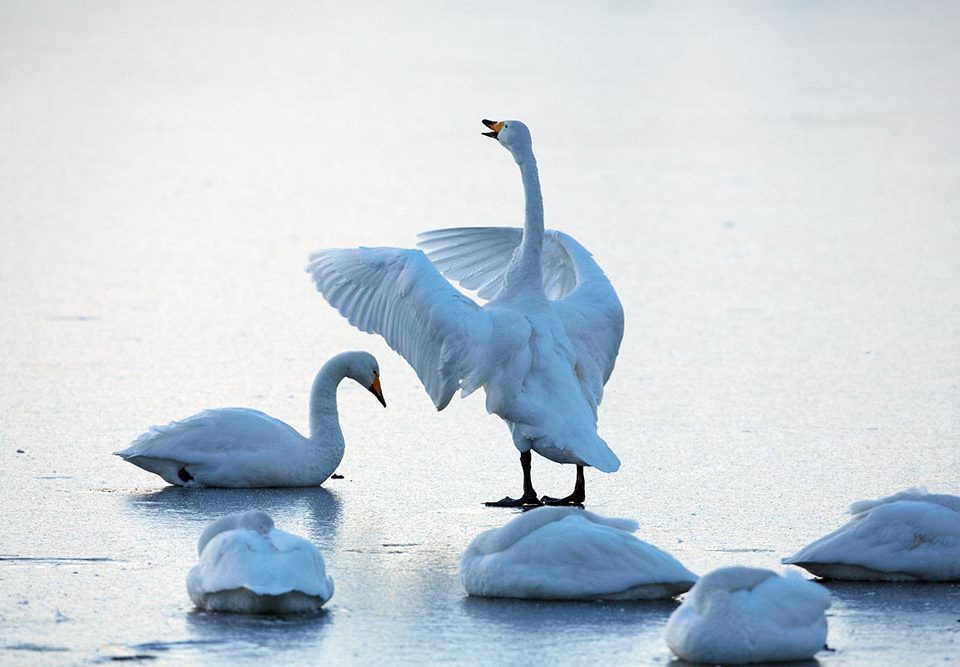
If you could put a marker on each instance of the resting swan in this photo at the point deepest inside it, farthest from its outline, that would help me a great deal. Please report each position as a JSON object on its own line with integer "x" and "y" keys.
{"x": 566, "y": 553}
{"x": 244, "y": 448}
{"x": 543, "y": 347}
{"x": 909, "y": 536}
{"x": 738, "y": 615}
{"x": 249, "y": 567}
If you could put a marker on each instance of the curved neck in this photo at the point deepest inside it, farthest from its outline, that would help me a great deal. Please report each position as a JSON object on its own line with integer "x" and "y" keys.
{"x": 526, "y": 273}
{"x": 324, "y": 420}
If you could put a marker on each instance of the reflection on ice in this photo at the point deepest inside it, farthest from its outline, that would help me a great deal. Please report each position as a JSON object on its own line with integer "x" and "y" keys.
{"x": 890, "y": 602}
{"x": 254, "y": 634}
{"x": 558, "y": 617}
{"x": 813, "y": 662}
{"x": 872, "y": 619}
{"x": 147, "y": 651}
{"x": 315, "y": 508}
{"x": 38, "y": 648}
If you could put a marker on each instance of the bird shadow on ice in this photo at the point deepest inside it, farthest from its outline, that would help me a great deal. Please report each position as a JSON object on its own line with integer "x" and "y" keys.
{"x": 318, "y": 509}
{"x": 561, "y": 617}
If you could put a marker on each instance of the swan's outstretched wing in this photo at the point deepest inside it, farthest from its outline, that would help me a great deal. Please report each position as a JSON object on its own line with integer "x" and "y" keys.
{"x": 593, "y": 318}
{"x": 474, "y": 257}
{"x": 400, "y": 295}
{"x": 477, "y": 258}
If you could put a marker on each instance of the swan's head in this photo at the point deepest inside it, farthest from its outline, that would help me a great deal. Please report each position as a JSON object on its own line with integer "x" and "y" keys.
{"x": 512, "y": 135}
{"x": 363, "y": 367}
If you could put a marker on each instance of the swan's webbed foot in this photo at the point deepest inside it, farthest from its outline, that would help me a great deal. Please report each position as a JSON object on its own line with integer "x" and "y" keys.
{"x": 576, "y": 498}
{"x": 523, "y": 501}
{"x": 529, "y": 497}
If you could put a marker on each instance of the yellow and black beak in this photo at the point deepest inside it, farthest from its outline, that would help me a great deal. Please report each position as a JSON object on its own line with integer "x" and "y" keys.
{"x": 375, "y": 390}
{"x": 495, "y": 126}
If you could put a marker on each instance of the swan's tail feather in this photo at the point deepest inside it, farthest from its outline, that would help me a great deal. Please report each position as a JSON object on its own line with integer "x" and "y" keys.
{"x": 161, "y": 448}
{"x": 601, "y": 457}
{"x": 585, "y": 448}
{"x": 168, "y": 469}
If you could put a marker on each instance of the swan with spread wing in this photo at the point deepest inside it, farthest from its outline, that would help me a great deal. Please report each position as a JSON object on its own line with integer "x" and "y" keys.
{"x": 542, "y": 347}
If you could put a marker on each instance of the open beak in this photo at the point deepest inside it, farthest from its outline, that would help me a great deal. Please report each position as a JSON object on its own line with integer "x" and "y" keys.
{"x": 495, "y": 126}
{"x": 375, "y": 390}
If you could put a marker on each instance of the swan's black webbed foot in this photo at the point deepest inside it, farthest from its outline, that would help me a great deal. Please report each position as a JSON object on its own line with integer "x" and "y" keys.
{"x": 574, "y": 500}
{"x": 523, "y": 501}
{"x": 529, "y": 497}
{"x": 184, "y": 475}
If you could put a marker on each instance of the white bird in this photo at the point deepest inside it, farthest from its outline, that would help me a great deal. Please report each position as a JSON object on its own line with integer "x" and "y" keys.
{"x": 909, "y": 536}
{"x": 249, "y": 567}
{"x": 543, "y": 347}
{"x": 566, "y": 553}
{"x": 244, "y": 448}
{"x": 737, "y": 615}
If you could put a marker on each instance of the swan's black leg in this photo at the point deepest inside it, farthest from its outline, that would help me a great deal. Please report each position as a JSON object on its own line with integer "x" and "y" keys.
{"x": 576, "y": 498}
{"x": 529, "y": 497}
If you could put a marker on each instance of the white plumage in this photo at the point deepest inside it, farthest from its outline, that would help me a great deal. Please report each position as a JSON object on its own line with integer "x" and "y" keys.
{"x": 909, "y": 536}
{"x": 399, "y": 294}
{"x": 249, "y": 567}
{"x": 564, "y": 553}
{"x": 543, "y": 347}
{"x": 242, "y": 448}
{"x": 738, "y": 615}
{"x": 478, "y": 258}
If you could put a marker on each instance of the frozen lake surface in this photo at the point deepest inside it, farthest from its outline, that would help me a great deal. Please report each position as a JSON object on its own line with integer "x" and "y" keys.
{"x": 773, "y": 189}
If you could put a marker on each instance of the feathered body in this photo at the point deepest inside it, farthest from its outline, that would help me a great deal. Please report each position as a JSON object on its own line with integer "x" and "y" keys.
{"x": 738, "y": 615}
{"x": 909, "y": 536}
{"x": 248, "y": 566}
{"x": 563, "y": 553}
{"x": 244, "y": 448}
{"x": 542, "y": 347}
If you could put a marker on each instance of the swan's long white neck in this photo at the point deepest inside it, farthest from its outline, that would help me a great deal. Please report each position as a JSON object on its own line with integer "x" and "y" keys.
{"x": 525, "y": 274}
{"x": 324, "y": 419}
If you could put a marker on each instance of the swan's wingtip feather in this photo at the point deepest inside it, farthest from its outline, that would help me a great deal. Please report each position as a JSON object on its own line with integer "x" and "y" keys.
{"x": 607, "y": 464}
